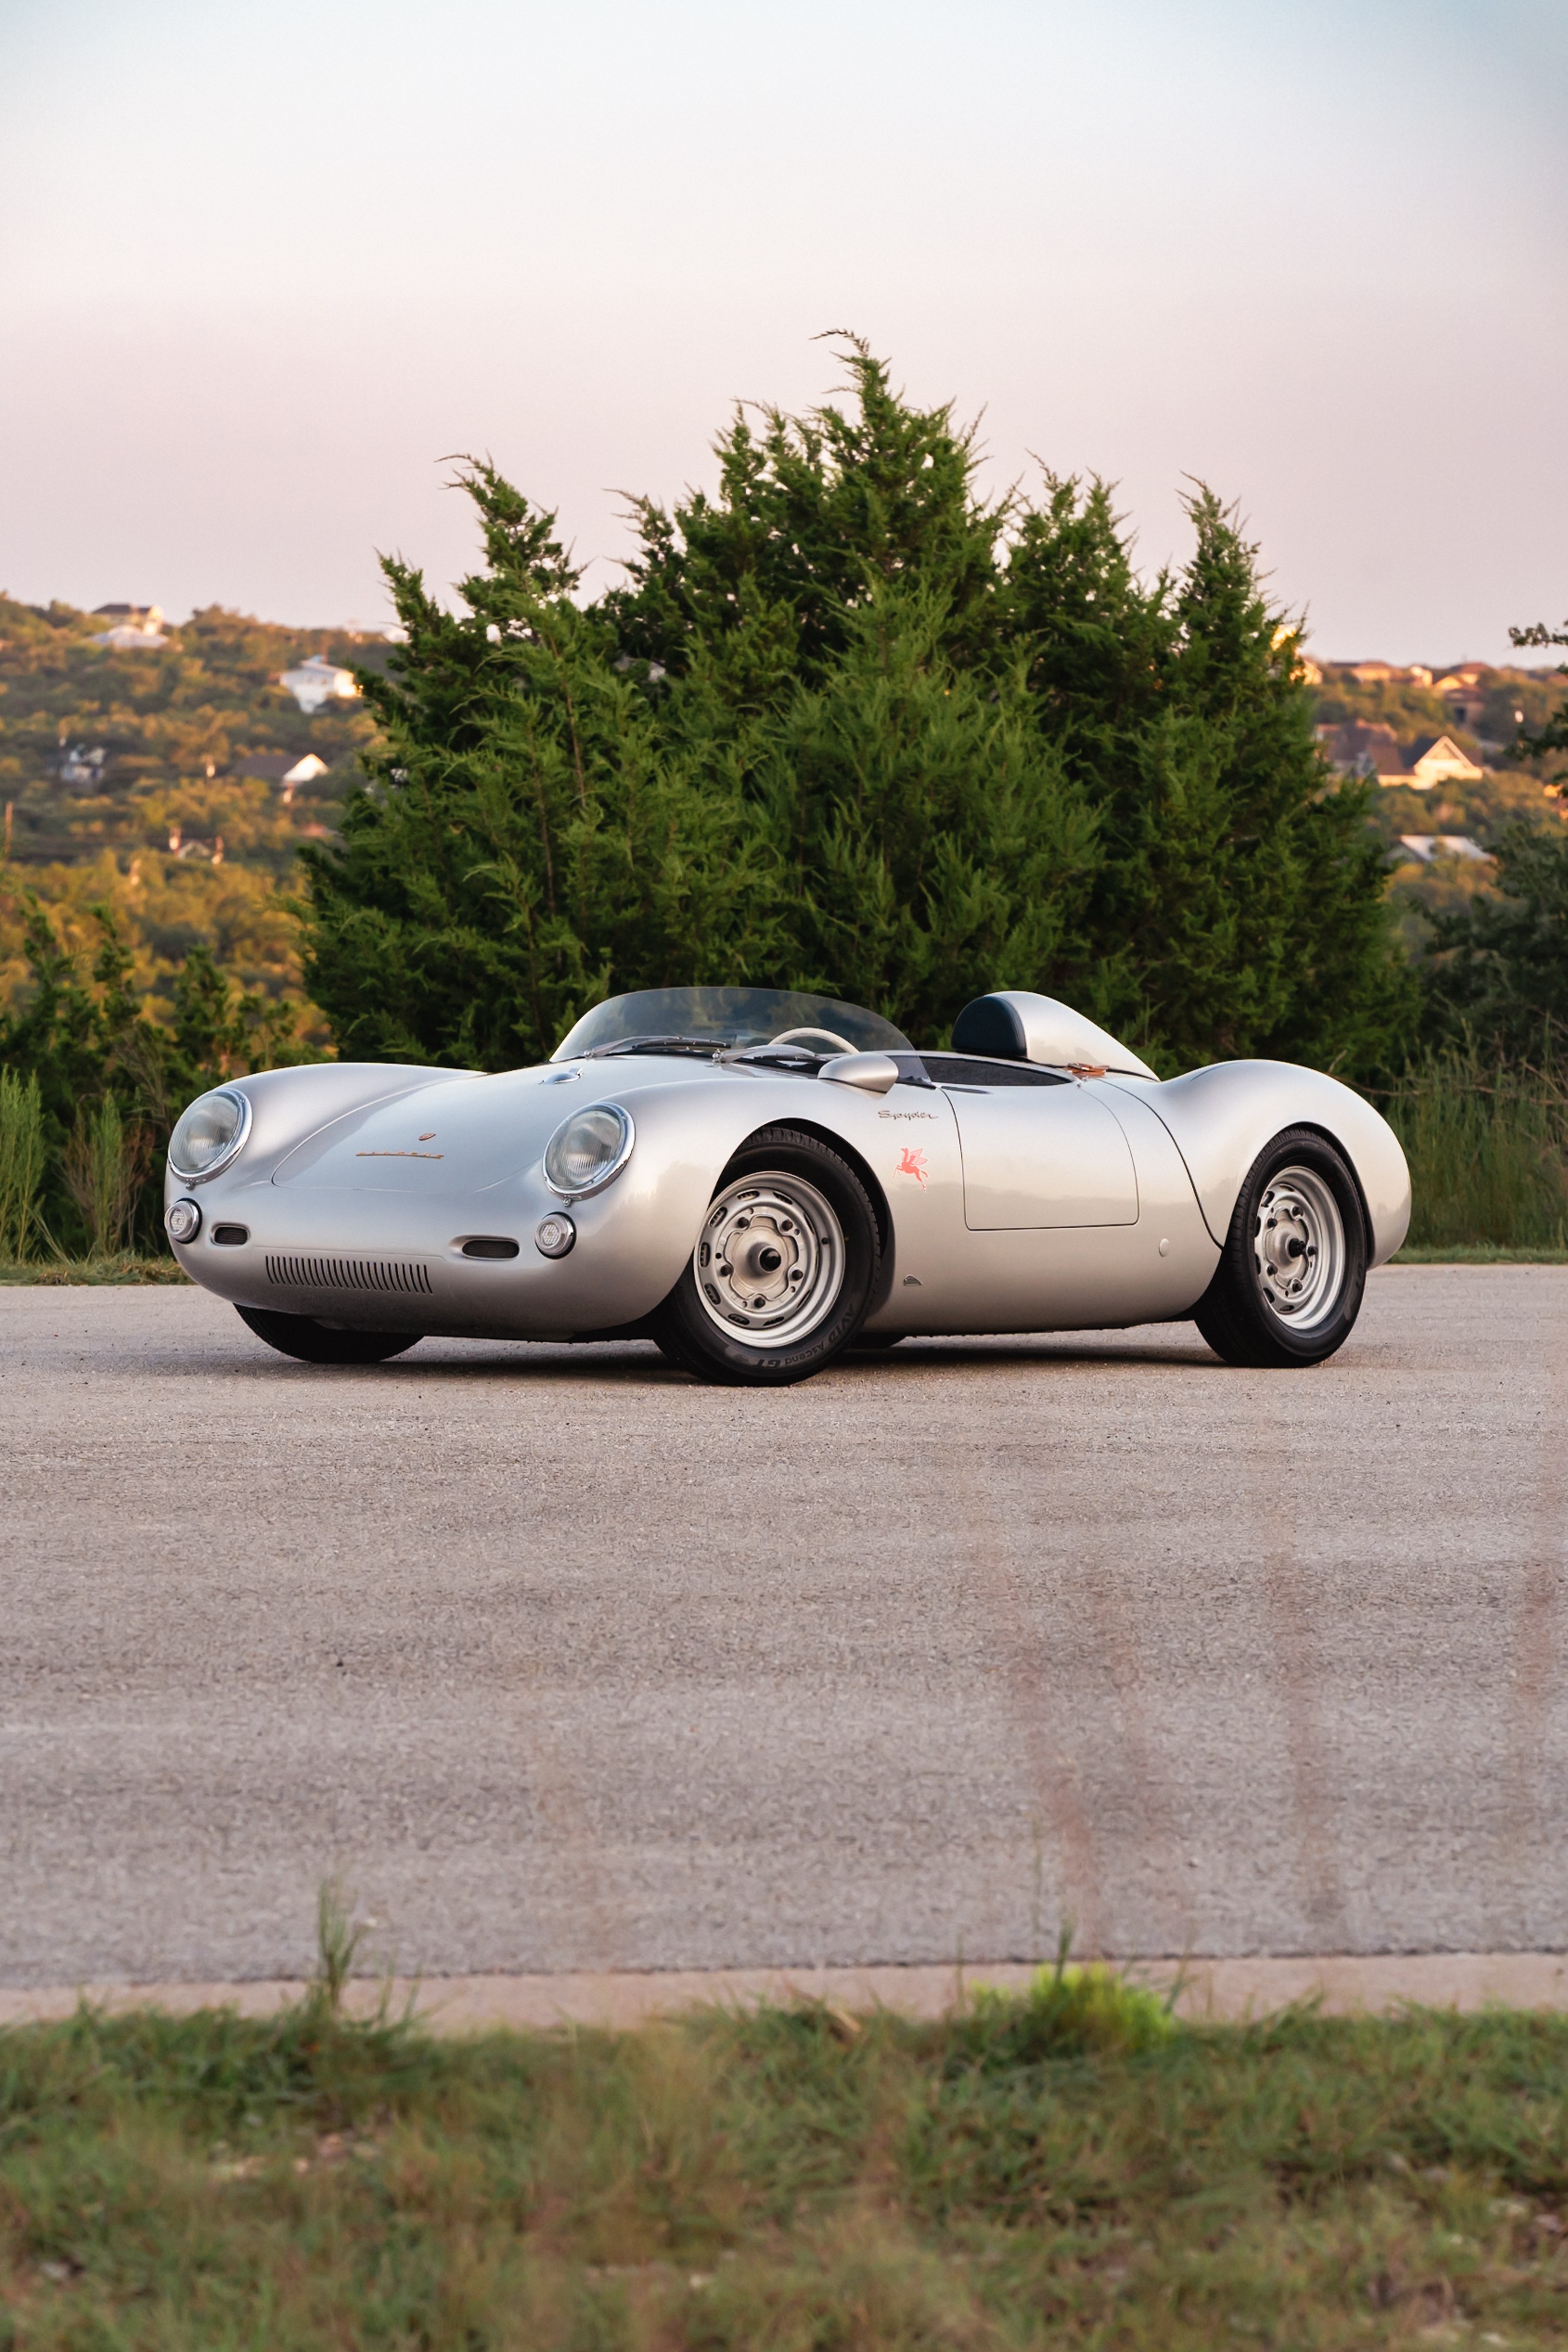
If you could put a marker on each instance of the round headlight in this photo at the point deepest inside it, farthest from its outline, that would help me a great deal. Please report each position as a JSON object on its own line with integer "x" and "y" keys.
{"x": 209, "y": 1134}
{"x": 184, "y": 1221}
{"x": 588, "y": 1149}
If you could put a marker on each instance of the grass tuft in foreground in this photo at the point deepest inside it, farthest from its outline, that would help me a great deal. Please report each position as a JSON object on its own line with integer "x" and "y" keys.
{"x": 1072, "y": 2168}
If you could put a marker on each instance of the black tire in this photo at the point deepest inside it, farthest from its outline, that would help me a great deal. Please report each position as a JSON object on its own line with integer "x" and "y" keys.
{"x": 1289, "y": 1285}
{"x": 313, "y": 1343}
{"x": 813, "y": 1226}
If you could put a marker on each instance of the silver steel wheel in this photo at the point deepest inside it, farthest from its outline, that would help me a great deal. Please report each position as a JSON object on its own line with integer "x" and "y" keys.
{"x": 1299, "y": 1249}
{"x": 770, "y": 1261}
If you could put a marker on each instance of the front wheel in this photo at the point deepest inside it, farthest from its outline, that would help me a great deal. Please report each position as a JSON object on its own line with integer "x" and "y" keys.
{"x": 1289, "y": 1285}
{"x": 313, "y": 1343}
{"x": 782, "y": 1269}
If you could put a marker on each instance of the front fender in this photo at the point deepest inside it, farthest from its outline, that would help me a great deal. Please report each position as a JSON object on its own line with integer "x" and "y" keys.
{"x": 637, "y": 1235}
{"x": 1219, "y": 1119}
{"x": 288, "y": 1105}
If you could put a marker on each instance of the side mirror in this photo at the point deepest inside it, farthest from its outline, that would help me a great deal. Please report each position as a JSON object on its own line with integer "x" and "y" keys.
{"x": 873, "y": 1073}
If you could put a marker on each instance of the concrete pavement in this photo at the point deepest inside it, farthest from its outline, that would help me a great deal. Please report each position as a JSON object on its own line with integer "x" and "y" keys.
{"x": 568, "y": 1664}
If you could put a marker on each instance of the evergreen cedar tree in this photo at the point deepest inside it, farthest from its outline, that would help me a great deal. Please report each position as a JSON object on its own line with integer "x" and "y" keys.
{"x": 850, "y": 728}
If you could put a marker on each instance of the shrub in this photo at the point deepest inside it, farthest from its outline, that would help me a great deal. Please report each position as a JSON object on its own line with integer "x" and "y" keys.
{"x": 1066, "y": 2011}
{"x": 104, "y": 1165}
{"x": 21, "y": 1161}
{"x": 1488, "y": 1147}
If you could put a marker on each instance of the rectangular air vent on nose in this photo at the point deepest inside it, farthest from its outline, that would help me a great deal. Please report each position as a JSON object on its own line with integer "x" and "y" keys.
{"x": 231, "y": 1236}
{"x": 386, "y": 1275}
{"x": 489, "y": 1246}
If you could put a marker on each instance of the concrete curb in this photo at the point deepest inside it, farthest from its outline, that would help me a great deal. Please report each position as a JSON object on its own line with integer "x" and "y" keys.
{"x": 1220, "y": 1990}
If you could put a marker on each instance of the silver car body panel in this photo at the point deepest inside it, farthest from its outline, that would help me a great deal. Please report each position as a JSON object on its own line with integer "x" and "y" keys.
{"x": 1043, "y": 1156}
{"x": 1222, "y": 1117}
{"x": 1096, "y": 1201}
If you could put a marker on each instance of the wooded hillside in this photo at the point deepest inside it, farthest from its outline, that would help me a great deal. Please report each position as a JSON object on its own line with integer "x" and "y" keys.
{"x": 123, "y": 779}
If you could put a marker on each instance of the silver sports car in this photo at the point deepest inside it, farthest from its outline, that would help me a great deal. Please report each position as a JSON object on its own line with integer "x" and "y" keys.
{"x": 756, "y": 1180}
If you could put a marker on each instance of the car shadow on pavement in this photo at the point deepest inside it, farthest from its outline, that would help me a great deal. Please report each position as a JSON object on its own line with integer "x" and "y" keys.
{"x": 638, "y": 1363}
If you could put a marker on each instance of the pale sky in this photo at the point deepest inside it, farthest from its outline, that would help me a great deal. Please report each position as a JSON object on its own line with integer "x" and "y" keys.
{"x": 263, "y": 268}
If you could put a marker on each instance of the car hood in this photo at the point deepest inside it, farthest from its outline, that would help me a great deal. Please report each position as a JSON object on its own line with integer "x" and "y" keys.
{"x": 468, "y": 1136}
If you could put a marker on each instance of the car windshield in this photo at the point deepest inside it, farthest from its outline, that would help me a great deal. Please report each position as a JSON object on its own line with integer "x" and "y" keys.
{"x": 730, "y": 1016}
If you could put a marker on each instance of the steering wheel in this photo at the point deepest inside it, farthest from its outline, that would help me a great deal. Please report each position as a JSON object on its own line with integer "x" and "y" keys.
{"x": 815, "y": 1040}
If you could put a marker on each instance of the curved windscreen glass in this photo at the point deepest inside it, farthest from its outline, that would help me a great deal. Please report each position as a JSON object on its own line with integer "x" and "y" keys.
{"x": 730, "y": 1016}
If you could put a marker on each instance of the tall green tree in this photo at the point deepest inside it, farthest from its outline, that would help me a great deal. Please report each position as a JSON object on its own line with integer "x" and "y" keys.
{"x": 528, "y": 841}
{"x": 850, "y": 726}
{"x": 929, "y": 835}
{"x": 1239, "y": 906}
{"x": 758, "y": 586}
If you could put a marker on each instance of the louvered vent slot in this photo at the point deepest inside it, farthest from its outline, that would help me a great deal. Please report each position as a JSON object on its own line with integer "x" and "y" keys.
{"x": 346, "y": 1273}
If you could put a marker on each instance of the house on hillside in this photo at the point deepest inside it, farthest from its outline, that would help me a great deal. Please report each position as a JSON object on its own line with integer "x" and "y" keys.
{"x": 317, "y": 682}
{"x": 1382, "y": 673}
{"x": 1465, "y": 692}
{"x": 83, "y": 764}
{"x": 1426, "y": 846}
{"x": 132, "y": 628}
{"x": 1438, "y": 760}
{"x": 1360, "y": 747}
{"x": 281, "y": 768}
{"x": 210, "y": 852}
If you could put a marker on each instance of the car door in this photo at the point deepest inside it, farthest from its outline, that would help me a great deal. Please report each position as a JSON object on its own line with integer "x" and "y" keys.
{"x": 1039, "y": 1149}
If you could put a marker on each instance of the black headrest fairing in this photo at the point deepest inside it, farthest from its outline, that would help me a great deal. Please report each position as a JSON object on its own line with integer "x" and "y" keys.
{"x": 991, "y": 1025}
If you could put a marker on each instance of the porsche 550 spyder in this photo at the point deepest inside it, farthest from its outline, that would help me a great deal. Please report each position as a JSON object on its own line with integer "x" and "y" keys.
{"x": 758, "y": 1179}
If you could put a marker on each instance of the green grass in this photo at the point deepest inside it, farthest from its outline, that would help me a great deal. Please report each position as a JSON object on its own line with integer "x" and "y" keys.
{"x": 1478, "y": 1253}
{"x": 124, "y": 1267}
{"x": 1072, "y": 2169}
{"x": 1488, "y": 1154}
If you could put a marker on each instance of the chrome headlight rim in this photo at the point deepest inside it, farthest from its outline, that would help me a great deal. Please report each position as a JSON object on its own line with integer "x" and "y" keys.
{"x": 231, "y": 1149}
{"x": 602, "y": 1176}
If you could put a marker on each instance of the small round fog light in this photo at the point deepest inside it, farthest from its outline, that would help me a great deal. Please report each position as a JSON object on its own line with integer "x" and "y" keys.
{"x": 184, "y": 1221}
{"x": 554, "y": 1234}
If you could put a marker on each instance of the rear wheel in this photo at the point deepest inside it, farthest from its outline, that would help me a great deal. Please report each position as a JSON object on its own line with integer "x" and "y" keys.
{"x": 313, "y": 1343}
{"x": 782, "y": 1269}
{"x": 1289, "y": 1285}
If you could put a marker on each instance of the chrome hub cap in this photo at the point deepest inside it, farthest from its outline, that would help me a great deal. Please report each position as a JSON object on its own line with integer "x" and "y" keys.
{"x": 1297, "y": 1249}
{"x": 769, "y": 1262}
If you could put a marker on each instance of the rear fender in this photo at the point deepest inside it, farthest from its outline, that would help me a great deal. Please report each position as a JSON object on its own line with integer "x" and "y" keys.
{"x": 1219, "y": 1119}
